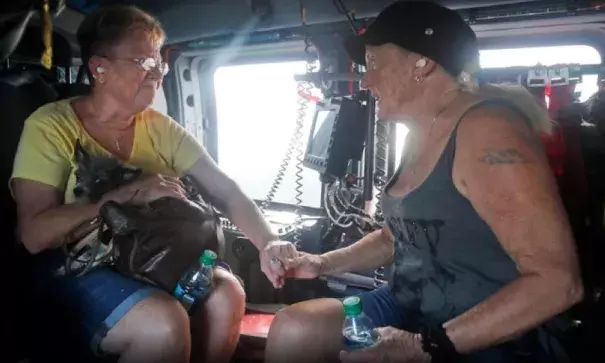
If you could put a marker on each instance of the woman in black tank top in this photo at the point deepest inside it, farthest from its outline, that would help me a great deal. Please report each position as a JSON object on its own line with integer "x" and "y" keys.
{"x": 481, "y": 247}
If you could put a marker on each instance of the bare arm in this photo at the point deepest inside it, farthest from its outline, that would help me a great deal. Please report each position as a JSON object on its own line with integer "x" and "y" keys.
{"x": 227, "y": 196}
{"x": 501, "y": 168}
{"x": 372, "y": 251}
{"x": 43, "y": 220}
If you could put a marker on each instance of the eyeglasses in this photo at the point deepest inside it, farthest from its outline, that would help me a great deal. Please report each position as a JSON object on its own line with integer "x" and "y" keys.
{"x": 147, "y": 64}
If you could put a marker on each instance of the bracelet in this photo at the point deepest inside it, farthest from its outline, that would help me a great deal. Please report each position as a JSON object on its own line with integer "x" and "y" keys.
{"x": 438, "y": 345}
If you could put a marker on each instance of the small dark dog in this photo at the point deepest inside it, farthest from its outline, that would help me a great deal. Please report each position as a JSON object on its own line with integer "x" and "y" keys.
{"x": 149, "y": 235}
{"x": 98, "y": 175}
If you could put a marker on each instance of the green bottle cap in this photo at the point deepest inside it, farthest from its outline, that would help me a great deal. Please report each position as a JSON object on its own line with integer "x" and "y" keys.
{"x": 208, "y": 258}
{"x": 352, "y": 305}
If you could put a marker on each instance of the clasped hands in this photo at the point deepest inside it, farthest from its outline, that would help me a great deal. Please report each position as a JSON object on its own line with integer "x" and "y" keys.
{"x": 281, "y": 260}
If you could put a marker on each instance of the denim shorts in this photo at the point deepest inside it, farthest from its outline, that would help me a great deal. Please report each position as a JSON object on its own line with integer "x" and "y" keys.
{"x": 381, "y": 306}
{"x": 94, "y": 303}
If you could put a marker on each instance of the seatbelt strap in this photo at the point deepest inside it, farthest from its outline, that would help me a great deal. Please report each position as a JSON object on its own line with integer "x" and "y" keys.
{"x": 47, "y": 36}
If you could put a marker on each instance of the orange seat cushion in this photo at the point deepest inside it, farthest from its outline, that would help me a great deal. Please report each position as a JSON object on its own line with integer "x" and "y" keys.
{"x": 256, "y": 325}
{"x": 253, "y": 337}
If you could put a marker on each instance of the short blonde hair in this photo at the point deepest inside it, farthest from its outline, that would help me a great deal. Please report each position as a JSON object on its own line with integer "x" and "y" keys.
{"x": 105, "y": 27}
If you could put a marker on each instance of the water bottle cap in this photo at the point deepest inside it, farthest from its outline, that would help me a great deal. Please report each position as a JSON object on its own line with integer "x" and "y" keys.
{"x": 352, "y": 305}
{"x": 208, "y": 258}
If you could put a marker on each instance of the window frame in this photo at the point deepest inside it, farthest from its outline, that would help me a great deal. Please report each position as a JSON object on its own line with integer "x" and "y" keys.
{"x": 203, "y": 64}
{"x": 312, "y": 187}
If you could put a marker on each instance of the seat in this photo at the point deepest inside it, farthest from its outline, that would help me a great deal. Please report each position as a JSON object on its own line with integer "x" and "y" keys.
{"x": 592, "y": 135}
{"x": 254, "y": 330}
{"x": 68, "y": 90}
{"x": 21, "y": 93}
{"x": 581, "y": 181}
{"x": 29, "y": 49}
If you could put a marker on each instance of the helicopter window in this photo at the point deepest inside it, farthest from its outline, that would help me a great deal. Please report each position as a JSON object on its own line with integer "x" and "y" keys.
{"x": 62, "y": 74}
{"x": 578, "y": 54}
{"x": 546, "y": 56}
{"x": 256, "y": 111}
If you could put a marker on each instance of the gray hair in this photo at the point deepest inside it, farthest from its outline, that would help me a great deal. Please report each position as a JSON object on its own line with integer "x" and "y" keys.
{"x": 518, "y": 95}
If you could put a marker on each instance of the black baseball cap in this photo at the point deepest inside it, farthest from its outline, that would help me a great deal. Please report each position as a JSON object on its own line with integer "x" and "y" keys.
{"x": 422, "y": 27}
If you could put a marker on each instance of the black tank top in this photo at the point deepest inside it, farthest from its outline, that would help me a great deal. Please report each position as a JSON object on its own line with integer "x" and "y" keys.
{"x": 447, "y": 259}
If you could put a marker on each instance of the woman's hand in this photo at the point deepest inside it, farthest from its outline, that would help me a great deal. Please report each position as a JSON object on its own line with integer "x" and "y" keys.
{"x": 304, "y": 266}
{"x": 147, "y": 189}
{"x": 394, "y": 346}
{"x": 280, "y": 259}
{"x": 274, "y": 257}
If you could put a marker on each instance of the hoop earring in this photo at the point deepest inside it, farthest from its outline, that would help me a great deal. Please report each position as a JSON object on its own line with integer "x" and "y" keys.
{"x": 418, "y": 79}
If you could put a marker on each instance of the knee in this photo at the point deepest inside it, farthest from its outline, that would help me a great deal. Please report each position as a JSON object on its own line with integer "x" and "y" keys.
{"x": 309, "y": 330}
{"x": 305, "y": 320}
{"x": 157, "y": 322}
{"x": 228, "y": 295}
{"x": 163, "y": 319}
{"x": 289, "y": 325}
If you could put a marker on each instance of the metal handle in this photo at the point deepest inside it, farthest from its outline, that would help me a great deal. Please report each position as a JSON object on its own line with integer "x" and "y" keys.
{"x": 321, "y": 77}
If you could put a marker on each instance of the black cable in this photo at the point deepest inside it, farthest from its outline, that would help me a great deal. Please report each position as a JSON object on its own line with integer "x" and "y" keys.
{"x": 342, "y": 9}
{"x": 380, "y": 166}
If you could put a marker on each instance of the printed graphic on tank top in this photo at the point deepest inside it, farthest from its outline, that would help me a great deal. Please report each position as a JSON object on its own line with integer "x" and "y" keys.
{"x": 447, "y": 259}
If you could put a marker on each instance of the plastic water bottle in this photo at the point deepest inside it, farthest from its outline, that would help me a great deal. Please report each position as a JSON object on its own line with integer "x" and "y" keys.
{"x": 358, "y": 329}
{"x": 197, "y": 283}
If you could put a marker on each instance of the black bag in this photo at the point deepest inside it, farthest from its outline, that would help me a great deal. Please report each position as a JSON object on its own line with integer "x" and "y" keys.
{"x": 155, "y": 243}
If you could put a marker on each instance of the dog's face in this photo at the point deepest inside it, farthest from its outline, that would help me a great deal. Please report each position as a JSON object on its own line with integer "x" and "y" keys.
{"x": 97, "y": 175}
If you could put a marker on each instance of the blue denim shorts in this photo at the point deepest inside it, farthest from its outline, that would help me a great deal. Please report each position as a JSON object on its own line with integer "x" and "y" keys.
{"x": 95, "y": 302}
{"x": 381, "y": 306}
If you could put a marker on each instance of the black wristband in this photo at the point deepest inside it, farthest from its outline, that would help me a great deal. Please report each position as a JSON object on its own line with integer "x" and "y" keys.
{"x": 438, "y": 345}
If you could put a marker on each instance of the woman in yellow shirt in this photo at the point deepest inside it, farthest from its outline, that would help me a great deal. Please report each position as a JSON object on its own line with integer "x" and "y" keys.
{"x": 121, "y": 47}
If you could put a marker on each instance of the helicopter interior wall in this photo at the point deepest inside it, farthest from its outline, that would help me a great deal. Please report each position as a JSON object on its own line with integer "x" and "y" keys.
{"x": 185, "y": 20}
{"x": 490, "y": 37}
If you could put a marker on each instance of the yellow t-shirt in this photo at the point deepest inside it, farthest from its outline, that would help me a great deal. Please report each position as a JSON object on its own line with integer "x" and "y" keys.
{"x": 46, "y": 148}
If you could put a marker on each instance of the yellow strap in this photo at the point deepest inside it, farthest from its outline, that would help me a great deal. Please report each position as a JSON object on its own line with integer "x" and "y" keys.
{"x": 47, "y": 37}
{"x": 303, "y": 13}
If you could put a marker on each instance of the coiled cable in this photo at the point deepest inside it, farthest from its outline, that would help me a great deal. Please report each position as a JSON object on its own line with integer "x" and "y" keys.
{"x": 351, "y": 215}
{"x": 328, "y": 205}
{"x": 304, "y": 93}
{"x": 298, "y": 176}
{"x": 295, "y": 146}
{"x": 380, "y": 181}
{"x": 379, "y": 277}
{"x": 283, "y": 166}
{"x": 380, "y": 174}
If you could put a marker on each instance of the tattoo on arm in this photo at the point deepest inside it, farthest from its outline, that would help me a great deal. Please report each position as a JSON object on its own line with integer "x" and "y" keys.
{"x": 503, "y": 156}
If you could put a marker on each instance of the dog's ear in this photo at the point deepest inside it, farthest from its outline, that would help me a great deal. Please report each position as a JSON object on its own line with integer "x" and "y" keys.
{"x": 131, "y": 174}
{"x": 117, "y": 218}
{"x": 81, "y": 154}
